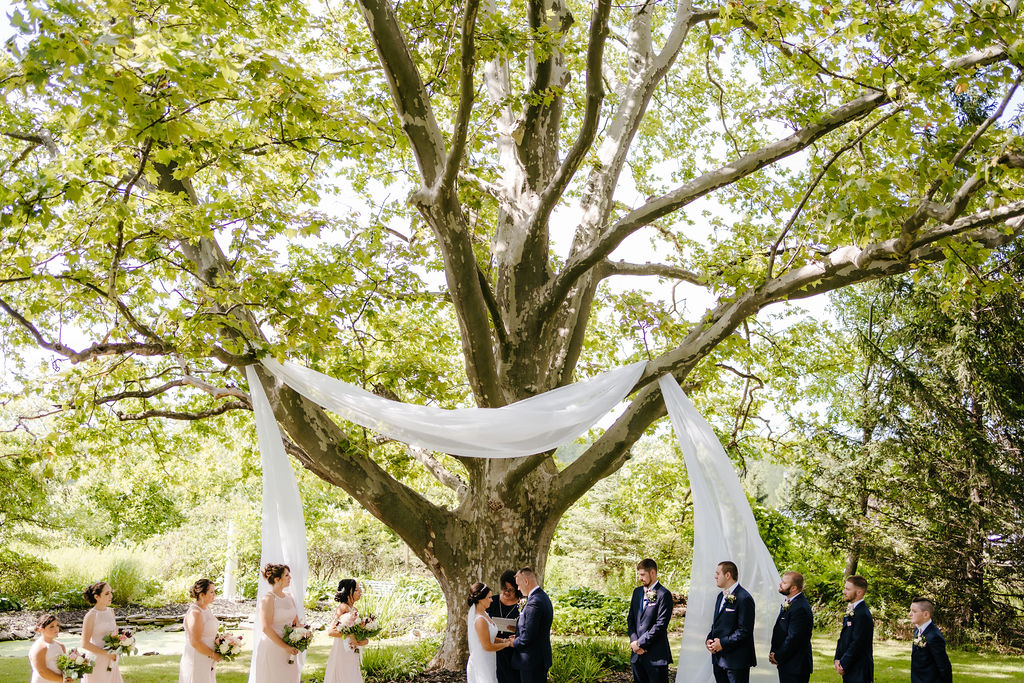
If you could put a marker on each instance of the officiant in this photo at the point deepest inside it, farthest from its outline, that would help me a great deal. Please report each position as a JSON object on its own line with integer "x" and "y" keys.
{"x": 506, "y": 607}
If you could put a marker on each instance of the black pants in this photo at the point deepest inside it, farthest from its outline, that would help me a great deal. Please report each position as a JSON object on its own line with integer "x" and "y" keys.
{"x": 533, "y": 676}
{"x": 645, "y": 672}
{"x": 730, "y": 675}
{"x": 794, "y": 676}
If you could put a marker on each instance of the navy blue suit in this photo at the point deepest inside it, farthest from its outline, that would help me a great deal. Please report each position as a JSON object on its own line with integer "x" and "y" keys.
{"x": 647, "y": 623}
{"x": 791, "y": 641}
{"x": 854, "y": 649}
{"x": 532, "y": 649}
{"x": 930, "y": 664}
{"x": 733, "y": 625}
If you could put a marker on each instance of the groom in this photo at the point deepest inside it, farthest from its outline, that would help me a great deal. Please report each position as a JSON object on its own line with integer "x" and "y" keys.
{"x": 531, "y": 644}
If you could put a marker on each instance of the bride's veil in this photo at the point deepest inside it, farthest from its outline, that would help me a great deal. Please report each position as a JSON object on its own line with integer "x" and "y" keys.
{"x": 471, "y": 639}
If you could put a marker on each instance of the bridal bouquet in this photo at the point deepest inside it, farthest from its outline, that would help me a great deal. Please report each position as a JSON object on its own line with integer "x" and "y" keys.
{"x": 119, "y": 642}
{"x": 74, "y": 664}
{"x": 360, "y": 628}
{"x": 298, "y": 637}
{"x": 227, "y": 645}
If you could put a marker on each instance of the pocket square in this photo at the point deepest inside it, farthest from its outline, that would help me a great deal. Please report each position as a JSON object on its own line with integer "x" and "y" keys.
{"x": 729, "y": 609}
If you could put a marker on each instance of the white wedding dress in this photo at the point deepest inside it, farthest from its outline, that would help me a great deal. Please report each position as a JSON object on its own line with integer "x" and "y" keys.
{"x": 482, "y": 666}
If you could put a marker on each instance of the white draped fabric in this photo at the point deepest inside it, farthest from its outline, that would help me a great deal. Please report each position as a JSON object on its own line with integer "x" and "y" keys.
{"x": 723, "y": 529}
{"x": 724, "y": 526}
{"x": 533, "y": 425}
{"x": 284, "y": 525}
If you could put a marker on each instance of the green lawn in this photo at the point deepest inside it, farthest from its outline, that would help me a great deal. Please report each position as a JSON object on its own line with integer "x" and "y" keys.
{"x": 892, "y": 663}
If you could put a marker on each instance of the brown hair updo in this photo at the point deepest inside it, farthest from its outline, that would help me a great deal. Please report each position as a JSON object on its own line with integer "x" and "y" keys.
{"x": 199, "y": 588}
{"x": 273, "y": 572}
{"x": 92, "y": 592}
{"x": 477, "y": 592}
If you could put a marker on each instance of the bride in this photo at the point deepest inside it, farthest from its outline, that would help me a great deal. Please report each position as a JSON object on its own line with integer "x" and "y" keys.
{"x": 481, "y": 632}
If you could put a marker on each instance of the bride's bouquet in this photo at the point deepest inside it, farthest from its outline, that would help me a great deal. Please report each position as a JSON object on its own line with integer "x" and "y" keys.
{"x": 75, "y": 664}
{"x": 227, "y": 645}
{"x": 357, "y": 627}
{"x": 119, "y": 642}
{"x": 298, "y": 637}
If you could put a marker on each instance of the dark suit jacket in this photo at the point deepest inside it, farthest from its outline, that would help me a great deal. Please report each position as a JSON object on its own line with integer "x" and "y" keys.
{"x": 930, "y": 664}
{"x": 533, "y": 634}
{"x": 648, "y": 626}
{"x": 854, "y": 649}
{"x": 734, "y": 627}
{"x": 791, "y": 638}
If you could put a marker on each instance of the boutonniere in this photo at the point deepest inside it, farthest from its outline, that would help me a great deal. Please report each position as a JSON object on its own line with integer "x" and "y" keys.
{"x": 730, "y": 598}
{"x": 919, "y": 641}
{"x": 522, "y": 604}
{"x": 849, "y": 611}
{"x": 785, "y": 605}
{"x": 650, "y": 594}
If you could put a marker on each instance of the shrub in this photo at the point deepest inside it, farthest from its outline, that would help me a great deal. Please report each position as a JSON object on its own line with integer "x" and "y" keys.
{"x": 9, "y": 604}
{"x": 22, "y": 576}
{"x": 420, "y": 589}
{"x": 397, "y": 662}
{"x": 576, "y": 663}
{"x": 585, "y": 611}
{"x": 130, "y": 583}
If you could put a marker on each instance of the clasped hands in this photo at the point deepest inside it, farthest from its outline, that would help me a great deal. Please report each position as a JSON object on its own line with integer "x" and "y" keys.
{"x": 635, "y": 647}
{"x": 713, "y": 646}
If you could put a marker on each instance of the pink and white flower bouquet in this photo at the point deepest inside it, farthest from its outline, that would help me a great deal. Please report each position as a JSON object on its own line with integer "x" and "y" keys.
{"x": 358, "y": 627}
{"x": 119, "y": 642}
{"x": 298, "y": 637}
{"x": 75, "y": 664}
{"x": 227, "y": 645}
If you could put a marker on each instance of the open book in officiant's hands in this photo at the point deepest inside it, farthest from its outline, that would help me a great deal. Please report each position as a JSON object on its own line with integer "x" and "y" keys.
{"x": 505, "y": 625}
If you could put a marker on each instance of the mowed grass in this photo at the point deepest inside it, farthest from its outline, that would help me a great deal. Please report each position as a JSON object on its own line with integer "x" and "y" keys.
{"x": 892, "y": 664}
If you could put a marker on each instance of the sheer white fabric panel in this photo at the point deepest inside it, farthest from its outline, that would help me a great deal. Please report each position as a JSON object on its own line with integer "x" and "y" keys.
{"x": 723, "y": 529}
{"x": 284, "y": 525}
{"x": 533, "y": 425}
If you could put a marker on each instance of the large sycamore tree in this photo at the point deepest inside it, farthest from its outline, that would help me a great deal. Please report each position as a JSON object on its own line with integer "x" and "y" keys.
{"x": 167, "y": 216}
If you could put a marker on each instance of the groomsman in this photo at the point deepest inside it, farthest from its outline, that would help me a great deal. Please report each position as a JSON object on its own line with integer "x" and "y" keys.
{"x": 791, "y": 637}
{"x": 649, "y": 612}
{"x": 731, "y": 640}
{"x": 929, "y": 662}
{"x": 854, "y": 660}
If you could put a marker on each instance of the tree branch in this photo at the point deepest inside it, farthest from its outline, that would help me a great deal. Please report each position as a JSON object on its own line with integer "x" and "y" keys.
{"x": 42, "y": 138}
{"x": 591, "y": 117}
{"x": 814, "y": 184}
{"x": 440, "y": 472}
{"x": 187, "y": 380}
{"x": 181, "y": 415}
{"x": 412, "y": 103}
{"x": 946, "y": 213}
{"x": 586, "y": 256}
{"x": 466, "y": 92}
{"x": 610, "y": 268}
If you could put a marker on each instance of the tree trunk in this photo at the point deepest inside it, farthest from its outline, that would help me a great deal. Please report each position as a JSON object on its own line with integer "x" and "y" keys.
{"x": 496, "y": 534}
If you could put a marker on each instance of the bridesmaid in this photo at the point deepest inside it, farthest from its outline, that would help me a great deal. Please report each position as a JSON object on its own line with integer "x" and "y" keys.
{"x": 98, "y": 622}
{"x": 276, "y": 609}
{"x": 506, "y": 607}
{"x": 197, "y": 660}
{"x": 44, "y": 652}
{"x": 343, "y": 662}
